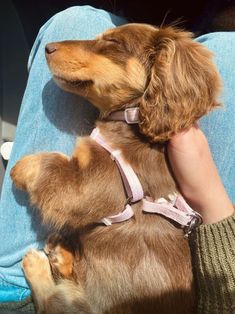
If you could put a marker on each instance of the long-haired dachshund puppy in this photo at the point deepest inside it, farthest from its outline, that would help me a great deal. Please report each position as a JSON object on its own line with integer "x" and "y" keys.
{"x": 143, "y": 264}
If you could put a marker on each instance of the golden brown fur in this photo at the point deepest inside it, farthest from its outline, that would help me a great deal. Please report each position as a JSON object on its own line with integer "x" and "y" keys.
{"x": 142, "y": 265}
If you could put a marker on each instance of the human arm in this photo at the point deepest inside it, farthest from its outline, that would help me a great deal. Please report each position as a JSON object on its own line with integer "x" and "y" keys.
{"x": 196, "y": 174}
{"x": 213, "y": 243}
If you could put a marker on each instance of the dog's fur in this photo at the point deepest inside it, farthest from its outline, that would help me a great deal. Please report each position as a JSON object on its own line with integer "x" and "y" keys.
{"x": 142, "y": 265}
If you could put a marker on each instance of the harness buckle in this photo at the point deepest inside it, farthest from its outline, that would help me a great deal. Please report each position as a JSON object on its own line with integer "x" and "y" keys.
{"x": 195, "y": 222}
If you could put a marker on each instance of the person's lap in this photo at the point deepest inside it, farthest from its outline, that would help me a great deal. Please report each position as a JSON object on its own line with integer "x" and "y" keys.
{"x": 219, "y": 125}
{"x": 50, "y": 119}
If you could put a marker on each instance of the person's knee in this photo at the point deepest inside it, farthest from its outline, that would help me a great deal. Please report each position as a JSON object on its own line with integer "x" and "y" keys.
{"x": 88, "y": 17}
{"x": 218, "y": 41}
{"x": 76, "y": 13}
{"x": 78, "y": 22}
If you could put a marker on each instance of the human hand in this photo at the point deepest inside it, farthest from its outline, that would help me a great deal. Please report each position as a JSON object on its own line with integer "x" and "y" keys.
{"x": 196, "y": 174}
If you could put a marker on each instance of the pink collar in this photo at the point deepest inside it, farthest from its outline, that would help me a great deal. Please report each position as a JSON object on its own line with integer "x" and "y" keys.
{"x": 129, "y": 115}
{"x": 175, "y": 208}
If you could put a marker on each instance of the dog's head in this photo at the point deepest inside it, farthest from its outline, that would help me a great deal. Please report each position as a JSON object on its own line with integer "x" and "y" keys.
{"x": 168, "y": 75}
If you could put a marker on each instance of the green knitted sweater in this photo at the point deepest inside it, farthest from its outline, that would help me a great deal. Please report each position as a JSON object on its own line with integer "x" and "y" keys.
{"x": 213, "y": 253}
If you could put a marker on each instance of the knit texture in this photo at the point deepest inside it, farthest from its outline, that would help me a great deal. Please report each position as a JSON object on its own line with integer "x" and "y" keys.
{"x": 213, "y": 253}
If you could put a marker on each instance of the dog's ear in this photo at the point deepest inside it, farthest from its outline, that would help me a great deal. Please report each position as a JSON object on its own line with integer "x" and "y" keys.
{"x": 183, "y": 85}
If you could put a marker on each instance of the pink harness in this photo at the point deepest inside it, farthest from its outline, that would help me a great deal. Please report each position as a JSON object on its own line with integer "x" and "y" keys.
{"x": 175, "y": 208}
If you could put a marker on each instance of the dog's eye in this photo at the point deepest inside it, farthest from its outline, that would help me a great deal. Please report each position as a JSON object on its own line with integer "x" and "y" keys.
{"x": 112, "y": 40}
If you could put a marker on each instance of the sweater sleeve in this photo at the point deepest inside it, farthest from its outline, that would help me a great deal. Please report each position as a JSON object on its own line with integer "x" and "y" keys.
{"x": 213, "y": 254}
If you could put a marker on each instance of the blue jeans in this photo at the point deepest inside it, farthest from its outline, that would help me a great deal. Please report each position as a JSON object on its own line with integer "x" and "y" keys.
{"x": 50, "y": 119}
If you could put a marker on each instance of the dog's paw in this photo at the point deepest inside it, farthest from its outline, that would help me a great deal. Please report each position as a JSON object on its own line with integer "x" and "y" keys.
{"x": 53, "y": 240}
{"x": 60, "y": 257}
{"x": 36, "y": 267}
{"x": 25, "y": 171}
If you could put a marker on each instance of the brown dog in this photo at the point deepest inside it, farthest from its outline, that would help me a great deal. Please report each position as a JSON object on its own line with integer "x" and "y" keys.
{"x": 142, "y": 265}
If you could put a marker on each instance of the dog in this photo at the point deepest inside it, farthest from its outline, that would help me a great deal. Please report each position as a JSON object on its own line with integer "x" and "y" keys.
{"x": 143, "y": 264}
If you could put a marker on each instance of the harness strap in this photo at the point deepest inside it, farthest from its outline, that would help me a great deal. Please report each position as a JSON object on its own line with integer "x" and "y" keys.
{"x": 130, "y": 115}
{"x": 177, "y": 210}
{"x": 126, "y": 214}
{"x": 130, "y": 180}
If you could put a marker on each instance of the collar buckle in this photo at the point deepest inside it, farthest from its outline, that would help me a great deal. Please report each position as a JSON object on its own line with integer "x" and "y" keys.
{"x": 129, "y": 115}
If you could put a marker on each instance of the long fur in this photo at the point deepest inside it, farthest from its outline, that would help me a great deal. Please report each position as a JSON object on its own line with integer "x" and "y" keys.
{"x": 142, "y": 265}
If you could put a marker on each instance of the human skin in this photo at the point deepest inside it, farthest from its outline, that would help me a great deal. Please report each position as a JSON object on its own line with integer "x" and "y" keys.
{"x": 195, "y": 171}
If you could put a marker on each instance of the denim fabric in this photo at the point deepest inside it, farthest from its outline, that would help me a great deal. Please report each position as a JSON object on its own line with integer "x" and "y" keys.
{"x": 219, "y": 125}
{"x": 50, "y": 119}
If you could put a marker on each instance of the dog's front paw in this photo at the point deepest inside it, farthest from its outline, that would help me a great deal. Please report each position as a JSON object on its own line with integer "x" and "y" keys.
{"x": 60, "y": 256}
{"x": 26, "y": 171}
{"x": 36, "y": 267}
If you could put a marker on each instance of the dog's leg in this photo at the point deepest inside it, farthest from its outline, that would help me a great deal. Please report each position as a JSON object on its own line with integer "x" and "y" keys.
{"x": 28, "y": 170}
{"x": 60, "y": 255}
{"x": 38, "y": 274}
{"x": 53, "y": 182}
{"x": 66, "y": 297}
{"x": 67, "y": 191}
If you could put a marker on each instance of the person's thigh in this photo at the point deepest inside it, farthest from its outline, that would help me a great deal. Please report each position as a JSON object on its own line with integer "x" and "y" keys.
{"x": 50, "y": 119}
{"x": 219, "y": 125}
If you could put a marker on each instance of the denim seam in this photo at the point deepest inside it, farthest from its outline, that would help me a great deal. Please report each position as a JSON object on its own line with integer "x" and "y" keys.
{"x": 5, "y": 283}
{"x": 20, "y": 293}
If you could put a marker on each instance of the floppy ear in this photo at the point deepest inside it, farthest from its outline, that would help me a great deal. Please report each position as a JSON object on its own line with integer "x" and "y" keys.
{"x": 183, "y": 85}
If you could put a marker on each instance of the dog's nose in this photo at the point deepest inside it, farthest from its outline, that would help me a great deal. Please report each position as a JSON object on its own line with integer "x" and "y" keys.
{"x": 50, "y": 48}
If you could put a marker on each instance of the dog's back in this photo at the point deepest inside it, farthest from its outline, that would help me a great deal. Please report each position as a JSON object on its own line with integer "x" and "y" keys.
{"x": 138, "y": 267}
{"x": 142, "y": 265}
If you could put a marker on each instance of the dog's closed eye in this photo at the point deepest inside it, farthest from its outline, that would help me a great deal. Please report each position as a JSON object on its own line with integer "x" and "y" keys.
{"x": 169, "y": 75}
{"x": 112, "y": 40}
